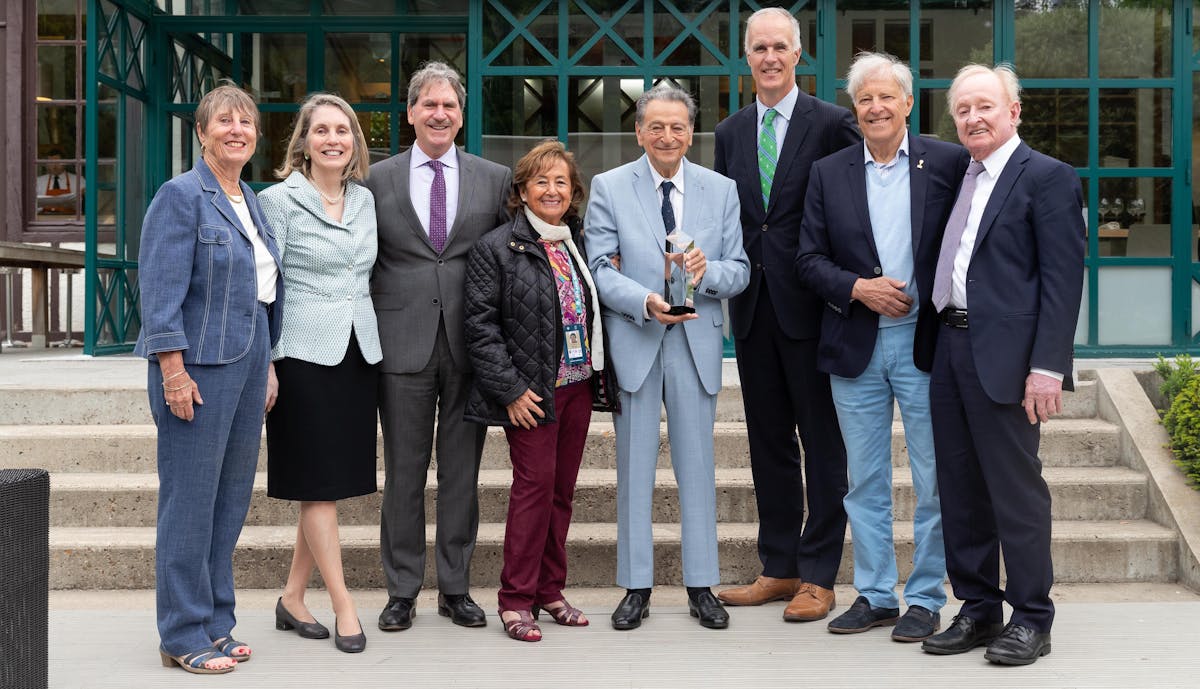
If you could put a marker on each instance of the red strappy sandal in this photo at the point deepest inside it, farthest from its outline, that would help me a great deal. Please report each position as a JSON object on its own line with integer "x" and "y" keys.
{"x": 566, "y": 614}
{"x": 524, "y": 628}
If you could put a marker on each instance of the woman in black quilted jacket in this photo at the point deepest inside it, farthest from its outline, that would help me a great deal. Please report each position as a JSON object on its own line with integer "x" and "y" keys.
{"x": 537, "y": 349}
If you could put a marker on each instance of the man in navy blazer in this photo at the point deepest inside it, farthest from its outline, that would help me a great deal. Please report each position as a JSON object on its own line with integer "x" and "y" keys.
{"x": 776, "y": 322}
{"x": 873, "y": 221}
{"x": 1008, "y": 285}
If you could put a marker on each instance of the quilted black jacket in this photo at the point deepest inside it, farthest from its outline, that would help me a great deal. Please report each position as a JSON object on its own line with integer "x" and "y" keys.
{"x": 514, "y": 326}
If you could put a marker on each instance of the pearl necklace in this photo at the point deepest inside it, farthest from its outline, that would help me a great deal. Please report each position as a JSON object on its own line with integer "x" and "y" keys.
{"x": 331, "y": 201}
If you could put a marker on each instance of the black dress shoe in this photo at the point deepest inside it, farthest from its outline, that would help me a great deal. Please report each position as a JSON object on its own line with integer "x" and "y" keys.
{"x": 285, "y": 621}
{"x": 710, "y": 611}
{"x": 461, "y": 610}
{"x": 963, "y": 634}
{"x": 917, "y": 624}
{"x": 1018, "y": 645}
{"x": 630, "y": 612}
{"x": 355, "y": 643}
{"x": 397, "y": 614}
{"x": 862, "y": 616}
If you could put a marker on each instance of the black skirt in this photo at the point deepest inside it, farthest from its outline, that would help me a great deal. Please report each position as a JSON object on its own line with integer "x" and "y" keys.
{"x": 321, "y": 434}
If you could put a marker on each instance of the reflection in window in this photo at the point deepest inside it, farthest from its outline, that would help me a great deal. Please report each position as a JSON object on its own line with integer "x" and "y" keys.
{"x": 1051, "y": 39}
{"x": 1135, "y": 127}
{"x": 280, "y": 71}
{"x": 1135, "y": 38}
{"x": 1055, "y": 122}
{"x": 1134, "y": 215}
{"x": 56, "y": 183}
{"x": 359, "y": 66}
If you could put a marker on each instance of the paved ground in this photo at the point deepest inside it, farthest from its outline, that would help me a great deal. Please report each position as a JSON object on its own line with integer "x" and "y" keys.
{"x": 1148, "y": 639}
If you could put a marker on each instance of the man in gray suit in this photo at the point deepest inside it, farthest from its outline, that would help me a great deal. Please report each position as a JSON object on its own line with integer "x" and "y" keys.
{"x": 432, "y": 202}
{"x": 660, "y": 355}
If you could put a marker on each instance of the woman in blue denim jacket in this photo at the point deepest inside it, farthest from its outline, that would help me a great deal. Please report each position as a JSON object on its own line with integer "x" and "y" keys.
{"x": 211, "y": 297}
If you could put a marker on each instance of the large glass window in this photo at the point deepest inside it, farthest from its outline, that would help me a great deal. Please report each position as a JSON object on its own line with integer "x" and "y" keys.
{"x": 57, "y": 181}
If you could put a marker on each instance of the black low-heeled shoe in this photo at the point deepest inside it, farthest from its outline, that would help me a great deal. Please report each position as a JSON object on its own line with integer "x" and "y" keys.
{"x": 286, "y": 621}
{"x": 355, "y": 643}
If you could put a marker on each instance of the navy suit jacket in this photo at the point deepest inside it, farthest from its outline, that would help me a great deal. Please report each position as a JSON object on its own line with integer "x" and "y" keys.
{"x": 837, "y": 247}
{"x": 770, "y": 235}
{"x": 1025, "y": 280}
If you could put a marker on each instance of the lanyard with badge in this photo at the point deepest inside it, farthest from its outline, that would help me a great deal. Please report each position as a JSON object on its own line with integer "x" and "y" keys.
{"x": 574, "y": 334}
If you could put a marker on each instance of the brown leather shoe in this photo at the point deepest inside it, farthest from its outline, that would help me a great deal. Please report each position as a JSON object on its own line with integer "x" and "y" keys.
{"x": 764, "y": 590}
{"x": 811, "y": 603}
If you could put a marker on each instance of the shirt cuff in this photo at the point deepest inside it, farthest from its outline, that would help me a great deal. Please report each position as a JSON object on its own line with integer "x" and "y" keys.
{"x": 1053, "y": 374}
{"x": 646, "y": 306}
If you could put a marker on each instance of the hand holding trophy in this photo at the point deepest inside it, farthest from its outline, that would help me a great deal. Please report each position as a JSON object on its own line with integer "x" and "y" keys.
{"x": 680, "y": 285}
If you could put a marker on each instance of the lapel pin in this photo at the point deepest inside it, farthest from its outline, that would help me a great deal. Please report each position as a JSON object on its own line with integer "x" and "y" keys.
{"x": 921, "y": 164}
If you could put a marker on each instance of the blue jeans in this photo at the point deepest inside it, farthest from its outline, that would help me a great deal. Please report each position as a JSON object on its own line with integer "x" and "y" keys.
{"x": 206, "y": 474}
{"x": 864, "y": 407}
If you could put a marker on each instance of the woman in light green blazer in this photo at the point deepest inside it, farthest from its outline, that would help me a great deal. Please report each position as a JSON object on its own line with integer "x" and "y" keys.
{"x": 321, "y": 435}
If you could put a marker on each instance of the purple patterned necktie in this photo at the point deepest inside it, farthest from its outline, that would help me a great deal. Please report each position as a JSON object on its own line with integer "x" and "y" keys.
{"x": 955, "y": 226}
{"x": 437, "y": 207}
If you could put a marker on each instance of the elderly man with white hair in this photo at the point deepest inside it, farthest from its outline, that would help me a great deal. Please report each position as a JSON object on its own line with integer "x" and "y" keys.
{"x": 873, "y": 221}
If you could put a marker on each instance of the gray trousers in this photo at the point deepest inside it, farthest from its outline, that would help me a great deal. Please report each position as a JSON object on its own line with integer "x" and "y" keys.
{"x": 409, "y": 404}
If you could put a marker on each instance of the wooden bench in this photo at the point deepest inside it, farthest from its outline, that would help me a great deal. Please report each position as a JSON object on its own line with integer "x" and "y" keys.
{"x": 39, "y": 259}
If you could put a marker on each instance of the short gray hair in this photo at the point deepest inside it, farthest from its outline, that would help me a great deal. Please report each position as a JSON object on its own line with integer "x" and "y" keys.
{"x": 1004, "y": 71}
{"x": 867, "y": 65}
{"x": 431, "y": 73}
{"x": 773, "y": 11}
{"x": 666, "y": 91}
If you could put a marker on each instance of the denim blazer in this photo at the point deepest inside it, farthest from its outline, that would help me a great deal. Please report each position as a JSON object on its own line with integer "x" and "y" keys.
{"x": 196, "y": 275}
{"x": 327, "y": 268}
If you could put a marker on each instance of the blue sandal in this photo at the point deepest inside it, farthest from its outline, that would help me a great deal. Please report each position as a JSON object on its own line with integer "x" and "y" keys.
{"x": 195, "y": 661}
{"x": 229, "y": 646}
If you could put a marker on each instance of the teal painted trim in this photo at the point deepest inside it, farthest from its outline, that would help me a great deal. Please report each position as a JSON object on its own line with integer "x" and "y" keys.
{"x": 298, "y": 24}
{"x": 520, "y": 29}
{"x": 1004, "y": 45}
{"x": 737, "y": 67}
{"x": 914, "y": 67}
{"x": 1181, "y": 184}
{"x": 562, "y": 94}
{"x": 826, "y": 67}
{"x": 475, "y": 71}
{"x": 689, "y": 29}
{"x": 91, "y": 235}
{"x": 1132, "y": 351}
{"x": 604, "y": 30}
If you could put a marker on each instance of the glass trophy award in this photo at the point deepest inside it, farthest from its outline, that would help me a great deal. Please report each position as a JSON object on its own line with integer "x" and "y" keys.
{"x": 679, "y": 280}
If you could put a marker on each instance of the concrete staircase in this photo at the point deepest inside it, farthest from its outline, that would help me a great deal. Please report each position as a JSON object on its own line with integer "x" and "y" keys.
{"x": 98, "y": 445}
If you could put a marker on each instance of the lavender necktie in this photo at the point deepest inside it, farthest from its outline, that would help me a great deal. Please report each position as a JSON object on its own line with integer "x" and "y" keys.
{"x": 437, "y": 207}
{"x": 955, "y": 226}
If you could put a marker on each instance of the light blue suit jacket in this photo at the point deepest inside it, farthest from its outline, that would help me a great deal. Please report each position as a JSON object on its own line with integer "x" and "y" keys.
{"x": 327, "y": 269}
{"x": 624, "y": 217}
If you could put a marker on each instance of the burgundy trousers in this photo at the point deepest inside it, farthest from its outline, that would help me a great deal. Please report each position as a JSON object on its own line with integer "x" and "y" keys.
{"x": 545, "y": 464}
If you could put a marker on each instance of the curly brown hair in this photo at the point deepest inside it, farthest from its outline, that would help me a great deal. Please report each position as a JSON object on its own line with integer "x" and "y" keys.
{"x": 538, "y": 159}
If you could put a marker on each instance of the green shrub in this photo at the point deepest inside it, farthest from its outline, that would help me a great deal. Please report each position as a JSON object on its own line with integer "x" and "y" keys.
{"x": 1175, "y": 375}
{"x": 1182, "y": 422}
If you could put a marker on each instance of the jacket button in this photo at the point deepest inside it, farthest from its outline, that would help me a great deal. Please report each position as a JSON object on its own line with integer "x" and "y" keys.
{"x": 764, "y": 227}
{"x": 878, "y": 270}
{"x": 435, "y": 301}
{"x": 441, "y": 262}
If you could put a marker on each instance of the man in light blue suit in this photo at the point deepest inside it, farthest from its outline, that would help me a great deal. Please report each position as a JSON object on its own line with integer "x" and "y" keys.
{"x": 660, "y": 356}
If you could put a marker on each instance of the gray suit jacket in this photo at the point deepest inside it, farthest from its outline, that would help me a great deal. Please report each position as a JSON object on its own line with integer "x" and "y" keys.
{"x": 412, "y": 285}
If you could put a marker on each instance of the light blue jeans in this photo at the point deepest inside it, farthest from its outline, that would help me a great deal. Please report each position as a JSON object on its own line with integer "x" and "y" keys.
{"x": 864, "y": 408}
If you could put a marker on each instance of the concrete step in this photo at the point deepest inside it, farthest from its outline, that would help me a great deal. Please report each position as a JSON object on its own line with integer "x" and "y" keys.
{"x": 131, "y": 448}
{"x": 124, "y": 402}
{"x": 123, "y": 558}
{"x": 122, "y": 500}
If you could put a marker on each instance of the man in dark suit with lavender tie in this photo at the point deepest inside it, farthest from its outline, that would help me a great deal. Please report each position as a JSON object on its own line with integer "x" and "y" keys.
{"x": 432, "y": 202}
{"x": 1007, "y": 287}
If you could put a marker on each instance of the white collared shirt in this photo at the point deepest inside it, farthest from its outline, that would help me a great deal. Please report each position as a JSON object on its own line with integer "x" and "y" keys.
{"x": 676, "y": 193}
{"x": 784, "y": 107}
{"x": 420, "y": 178}
{"x": 993, "y": 165}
